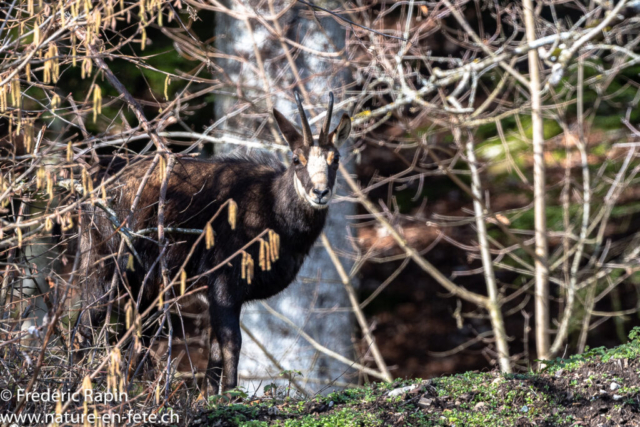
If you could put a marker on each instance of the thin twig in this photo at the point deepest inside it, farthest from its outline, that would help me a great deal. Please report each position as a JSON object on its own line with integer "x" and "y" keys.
{"x": 349, "y": 21}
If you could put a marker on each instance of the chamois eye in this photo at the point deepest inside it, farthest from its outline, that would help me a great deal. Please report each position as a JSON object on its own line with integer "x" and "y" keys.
{"x": 296, "y": 160}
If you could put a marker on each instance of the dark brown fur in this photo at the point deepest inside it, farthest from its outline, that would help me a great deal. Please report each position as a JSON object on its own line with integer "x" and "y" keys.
{"x": 266, "y": 197}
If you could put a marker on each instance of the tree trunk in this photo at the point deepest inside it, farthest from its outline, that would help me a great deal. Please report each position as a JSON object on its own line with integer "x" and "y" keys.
{"x": 317, "y": 301}
{"x": 539, "y": 192}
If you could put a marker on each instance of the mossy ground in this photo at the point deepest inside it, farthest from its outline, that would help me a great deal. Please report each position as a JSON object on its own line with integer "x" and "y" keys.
{"x": 599, "y": 388}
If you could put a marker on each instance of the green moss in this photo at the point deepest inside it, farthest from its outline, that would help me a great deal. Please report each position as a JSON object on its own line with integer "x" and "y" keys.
{"x": 625, "y": 351}
{"x": 606, "y": 122}
{"x": 470, "y": 399}
{"x": 344, "y": 418}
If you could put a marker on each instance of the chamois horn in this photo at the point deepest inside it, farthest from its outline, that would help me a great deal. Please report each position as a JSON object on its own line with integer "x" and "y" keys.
{"x": 324, "y": 134}
{"x": 306, "y": 129}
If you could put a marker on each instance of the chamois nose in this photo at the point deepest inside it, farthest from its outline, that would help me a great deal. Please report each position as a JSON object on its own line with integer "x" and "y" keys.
{"x": 320, "y": 193}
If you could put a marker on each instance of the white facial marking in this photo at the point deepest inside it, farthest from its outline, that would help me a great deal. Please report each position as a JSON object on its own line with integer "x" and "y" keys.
{"x": 299, "y": 187}
{"x": 318, "y": 171}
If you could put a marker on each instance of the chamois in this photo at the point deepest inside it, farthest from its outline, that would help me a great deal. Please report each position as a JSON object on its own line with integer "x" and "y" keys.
{"x": 292, "y": 201}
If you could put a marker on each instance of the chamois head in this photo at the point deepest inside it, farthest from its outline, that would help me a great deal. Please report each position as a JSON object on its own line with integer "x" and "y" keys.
{"x": 315, "y": 161}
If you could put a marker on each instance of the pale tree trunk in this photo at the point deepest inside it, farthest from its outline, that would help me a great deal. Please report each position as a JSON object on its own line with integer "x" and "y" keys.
{"x": 317, "y": 301}
{"x": 539, "y": 192}
{"x": 39, "y": 256}
{"x": 493, "y": 305}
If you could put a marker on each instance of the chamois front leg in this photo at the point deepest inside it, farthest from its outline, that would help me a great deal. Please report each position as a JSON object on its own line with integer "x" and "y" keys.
{"x": 224, "y": 312}
{"x": 214, "y": 367}
{"x": 225, "y": 322}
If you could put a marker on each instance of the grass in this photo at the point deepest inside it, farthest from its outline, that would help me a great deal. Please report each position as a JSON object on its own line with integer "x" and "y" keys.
{"x": 563, "y": 393}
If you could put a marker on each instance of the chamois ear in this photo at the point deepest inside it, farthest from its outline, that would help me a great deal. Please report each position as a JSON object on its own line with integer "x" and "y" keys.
{"x": 341, "y": 133}
{"x": 288, "y": 130}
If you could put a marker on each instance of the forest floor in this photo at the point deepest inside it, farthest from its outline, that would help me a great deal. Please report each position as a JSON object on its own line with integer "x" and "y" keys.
{"x": 598, "y": 388}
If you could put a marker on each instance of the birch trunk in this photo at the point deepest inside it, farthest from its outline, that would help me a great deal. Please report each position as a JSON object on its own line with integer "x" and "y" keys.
{"x": 317, "y": 301}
